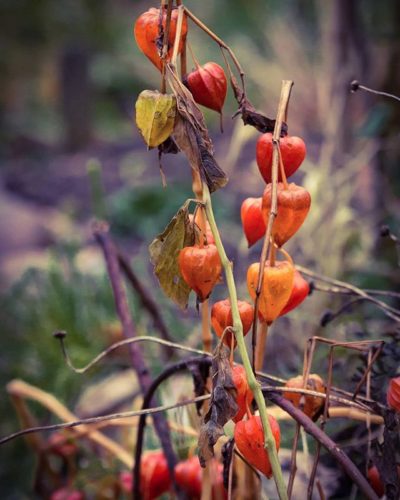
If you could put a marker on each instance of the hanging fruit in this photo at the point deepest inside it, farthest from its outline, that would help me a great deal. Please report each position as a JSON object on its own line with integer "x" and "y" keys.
{"x": 393, "y": 394}
{"x": 149, "y": 37}
{"x": 208, "y": 85}
{"x": 276, "y": 288}
{"x": 293, "y": 152}
{"x": 154, "y": 475}
{"x": 312, "y": 404}
{"x": 189, "y": 474}
{"x": 155, "y": 116}
{"x": 293, "y": 206}
{"x": 244, "y": 395}
{"x": 221, "y": 318}
{"x": 252, "y": 220}
{"x": 200, "y": 267}
{"x": 300, "y": 291}
{"x": 249, "y": 439}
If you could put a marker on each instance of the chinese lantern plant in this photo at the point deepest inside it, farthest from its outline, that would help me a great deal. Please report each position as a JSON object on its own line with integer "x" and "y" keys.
{"x": 249, "y": 439}
{"x": 292, "y": 149}
{"x": 312, "y": 404}
{"x": 244, "y": 395}
{"x": 189, "y": 474}
{"x": 148, "y": 34}
{"x": 300, "y": 291}
{"x": 393, "y": 394}
{"x": 252, "y": 220}
{"x": 221, "y": 318}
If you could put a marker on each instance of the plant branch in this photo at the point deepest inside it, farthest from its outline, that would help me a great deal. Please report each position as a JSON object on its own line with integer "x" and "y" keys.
{"x": 146, "y": 300}
{"x": 238, "y": 331}
{"x": 281, "y": 113}
{"x": 355, "y": 85}
{"x": 389, "y": 311}
{"x": 147, "y": 400}
{"x": 101, "y": 234}
{"x": 327, "y": 443}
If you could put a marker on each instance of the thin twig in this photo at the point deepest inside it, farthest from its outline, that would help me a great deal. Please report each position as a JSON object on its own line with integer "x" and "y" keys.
{"x": 103, "y": 418}
{"x": 388, "y": 310}
{"x": 355, "y": 85}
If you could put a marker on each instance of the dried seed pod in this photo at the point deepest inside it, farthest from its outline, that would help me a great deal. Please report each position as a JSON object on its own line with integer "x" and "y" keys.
{"x": 244, "y": 395}
{"x": 312, "y": 404}
{"x": 300, "y": 291}
{"x": 393, "y": 394}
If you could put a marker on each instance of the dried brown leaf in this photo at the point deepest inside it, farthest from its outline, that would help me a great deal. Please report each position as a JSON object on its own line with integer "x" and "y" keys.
{"x": 223, "y": 404}
{"x": 191, "y": 136}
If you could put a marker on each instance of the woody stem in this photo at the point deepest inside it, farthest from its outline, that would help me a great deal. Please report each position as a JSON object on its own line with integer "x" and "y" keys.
{"x": 254, "y": 385}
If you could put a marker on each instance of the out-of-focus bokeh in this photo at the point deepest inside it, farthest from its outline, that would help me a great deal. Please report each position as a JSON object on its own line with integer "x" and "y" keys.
{"x": 70, "y": 72}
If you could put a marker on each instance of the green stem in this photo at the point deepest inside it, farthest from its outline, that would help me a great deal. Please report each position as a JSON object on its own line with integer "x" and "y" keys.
{"x": 238, "y": 331}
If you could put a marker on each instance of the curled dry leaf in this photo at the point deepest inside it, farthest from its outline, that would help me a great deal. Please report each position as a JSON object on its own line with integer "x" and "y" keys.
{"x": 227, "y": 455}
{"x": 191, "y": 136}
{"x": 155, "y": 116}
{"x": 164, "y": 251}
{"x": 248, "y": 112}
{"x": 223, "y": 404}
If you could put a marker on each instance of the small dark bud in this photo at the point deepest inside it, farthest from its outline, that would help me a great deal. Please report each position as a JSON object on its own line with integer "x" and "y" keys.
{"x": 311, "y": 285}
{"x": 326, "y": 318}
{"x": 59, "y": 334}
{"x": 384, "y": 231}
{"x": 354, "y": 85}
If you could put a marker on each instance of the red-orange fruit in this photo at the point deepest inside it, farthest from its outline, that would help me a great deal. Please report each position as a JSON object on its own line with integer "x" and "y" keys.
{"x": 154, "y": 475}
{"x": 221, "y": 318}
{"x": 189, "y": 474}
{"x": 147, "y": 33}
{"x": 312, "y": 404}
{"x": 252, "y": 220}
{"x": 276, "y": 288}
{"x": 393, "y": 394}
{"x": 208, "y": 85}
{"x": 300, "y": 291}
{"x": 200, "y": 268}
{"x": 249, "y": 439}
{"x": 293, "y": 152}
{"x": 293, "y": 206}
{"x": 244, "y": 396}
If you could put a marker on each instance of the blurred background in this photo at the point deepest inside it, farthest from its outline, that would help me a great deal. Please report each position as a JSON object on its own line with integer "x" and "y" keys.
{"x": 70, "y": 74}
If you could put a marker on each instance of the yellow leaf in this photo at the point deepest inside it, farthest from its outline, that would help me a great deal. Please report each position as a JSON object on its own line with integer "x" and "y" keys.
{"x": 155, "y": 116}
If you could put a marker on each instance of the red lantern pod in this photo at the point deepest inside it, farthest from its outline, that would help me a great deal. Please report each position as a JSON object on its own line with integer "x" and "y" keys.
{"x": 221, "y": 318}
{"x": 147, "y": 31}
{"x": 208, "y": 85}
{"x": 249, "y": 439}
{"x": 244, "y": 395}
{"x": 252, "y": 220}
{"x": 200, "y": 268}
{"x": 393, "y": 394}
{"x": 293, "y": 151}
{"x": 300, "y": 291}
{"x": 293, "y": 206}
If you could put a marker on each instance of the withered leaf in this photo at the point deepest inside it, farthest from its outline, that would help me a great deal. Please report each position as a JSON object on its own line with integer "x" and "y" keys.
{"x": 164, "y": 251}
{"x": 190, "y": 134}
{"x": 227, "y": 455}
{"x": 155, "y": 116}
{"x": 250, "y": 115}
{"x": 223, "y": 404}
